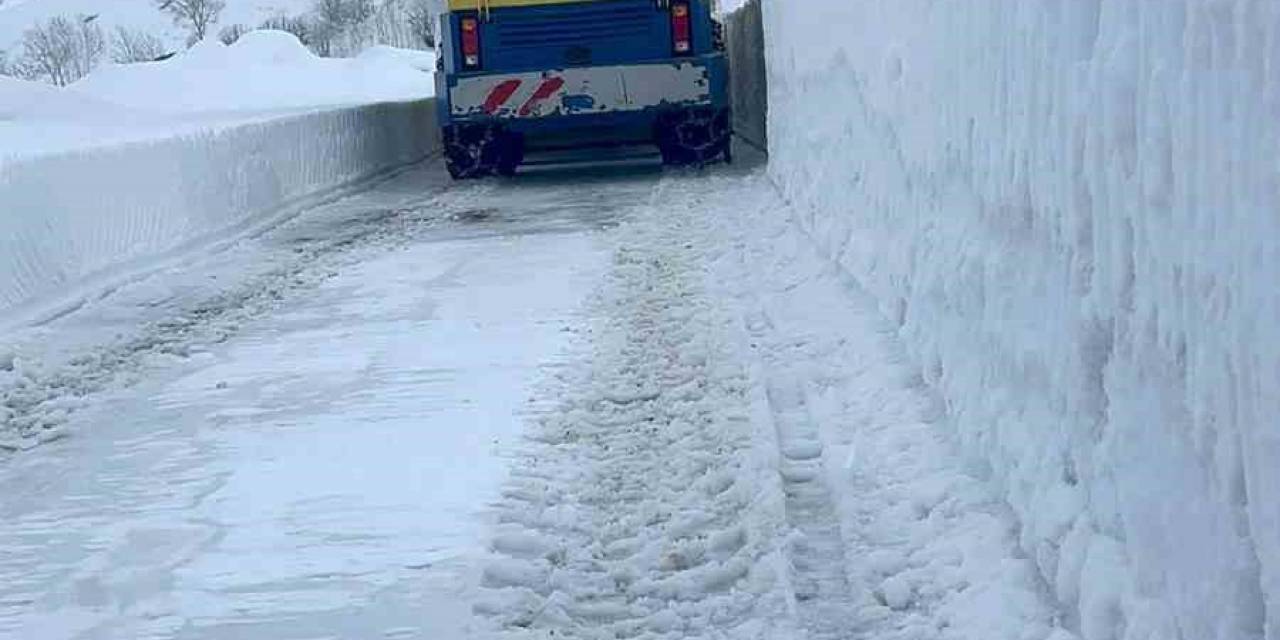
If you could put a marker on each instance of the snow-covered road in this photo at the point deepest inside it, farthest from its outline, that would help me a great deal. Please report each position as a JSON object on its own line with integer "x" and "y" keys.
{"x": 312, "y": 464}
{"x": 583, "y": 403}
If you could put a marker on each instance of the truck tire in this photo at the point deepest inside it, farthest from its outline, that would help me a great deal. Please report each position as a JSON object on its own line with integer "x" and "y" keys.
{"x": 694, "y": 137}
{"x": 479, "y": 151}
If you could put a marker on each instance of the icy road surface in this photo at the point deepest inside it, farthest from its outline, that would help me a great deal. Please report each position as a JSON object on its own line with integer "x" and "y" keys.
{"x": 580, "y": 404}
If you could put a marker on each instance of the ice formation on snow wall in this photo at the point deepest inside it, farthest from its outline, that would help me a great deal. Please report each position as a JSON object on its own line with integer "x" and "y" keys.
{"x": 78, "y": 217}
{"x": 1072, "y": 209}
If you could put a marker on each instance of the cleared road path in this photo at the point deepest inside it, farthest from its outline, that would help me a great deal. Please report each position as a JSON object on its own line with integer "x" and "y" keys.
{"x": 312, "y": 461}
{"x": 580, "y": 404}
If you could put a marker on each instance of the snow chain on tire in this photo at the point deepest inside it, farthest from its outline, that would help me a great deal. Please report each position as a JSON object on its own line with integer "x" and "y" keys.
{"x": 474, "y": 151}
{"x": 694, "y": 136}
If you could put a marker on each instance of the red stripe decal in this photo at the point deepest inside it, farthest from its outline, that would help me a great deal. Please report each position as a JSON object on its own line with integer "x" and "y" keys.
{"x": 500, "y": 95}
{"x": 549, "y": 88}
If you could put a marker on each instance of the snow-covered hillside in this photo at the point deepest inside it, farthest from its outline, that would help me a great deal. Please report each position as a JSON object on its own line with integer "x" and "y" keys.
{"x": 1070, "y": 209}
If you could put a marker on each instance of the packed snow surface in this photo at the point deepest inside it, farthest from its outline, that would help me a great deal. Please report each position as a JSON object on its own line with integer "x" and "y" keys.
{"x": 316, "y": 426}
{"x": 21, "y": 100}
{"x": 1069, "y": 209}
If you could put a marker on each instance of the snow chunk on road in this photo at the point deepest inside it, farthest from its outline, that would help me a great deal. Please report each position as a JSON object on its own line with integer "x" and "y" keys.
{"x": 897, "y": 593}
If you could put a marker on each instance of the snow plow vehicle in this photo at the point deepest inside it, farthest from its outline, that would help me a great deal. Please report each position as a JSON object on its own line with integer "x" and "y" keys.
{"x": 519, "y": 76}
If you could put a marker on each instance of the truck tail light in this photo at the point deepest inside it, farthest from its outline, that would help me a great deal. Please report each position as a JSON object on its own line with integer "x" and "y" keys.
{"x": 681, "y": 28}
{"x": 470, "y": 27}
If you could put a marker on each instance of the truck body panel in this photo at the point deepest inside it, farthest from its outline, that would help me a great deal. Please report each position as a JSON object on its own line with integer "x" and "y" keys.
{"x": 565, "y": 73}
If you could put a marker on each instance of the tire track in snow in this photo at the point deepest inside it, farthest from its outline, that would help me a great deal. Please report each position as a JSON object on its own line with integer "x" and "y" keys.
{"x": 816, "y": 552}
{"x": 636, "y": 510}
{"x": 927, "y": 551}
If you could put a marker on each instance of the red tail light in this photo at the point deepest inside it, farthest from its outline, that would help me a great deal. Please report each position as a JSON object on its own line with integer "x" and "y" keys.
{"x": 470, "y": 27}
{"x": 681, "y": 28}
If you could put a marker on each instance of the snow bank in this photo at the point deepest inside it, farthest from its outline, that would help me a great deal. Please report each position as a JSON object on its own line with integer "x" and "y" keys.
{"x": 22, "y": 100}
{"x": 1069, "y": 209}
{"x": 37, "y": 118}
{"x": 263, "y": 70}
{"x": 137, "y": 162}
{"x": 66, "y": 220}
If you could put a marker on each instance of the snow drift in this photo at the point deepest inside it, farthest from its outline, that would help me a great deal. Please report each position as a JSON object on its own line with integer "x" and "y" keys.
{"x": 263, "y": 70}
{"x": 128, "y": 166}
{"x": 1069, "y": 208}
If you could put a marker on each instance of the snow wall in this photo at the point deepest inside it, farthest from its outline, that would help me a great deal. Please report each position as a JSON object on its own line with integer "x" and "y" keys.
{"x": 73, "y": 222}
{"x": 745, "y": 40}
{"x": 1072, "y": 210}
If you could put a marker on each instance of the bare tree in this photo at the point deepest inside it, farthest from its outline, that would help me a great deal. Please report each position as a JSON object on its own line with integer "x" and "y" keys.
{"x": 134, "y": 46}
{"x": 343, "y": 26}
{"x": 63, "y": 49}
{"x": 407, "y": 24}
{"x": 231, "y": 33}
{"x": 298, "y": 26}
{"x": 196, "y": 15}
{"x": 17, "y": 67}
{"x": 420, "y": 15}
{"x": 330, "y": 22}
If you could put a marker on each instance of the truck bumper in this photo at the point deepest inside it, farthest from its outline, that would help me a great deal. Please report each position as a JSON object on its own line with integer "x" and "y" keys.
{"x": 584, "y": 105}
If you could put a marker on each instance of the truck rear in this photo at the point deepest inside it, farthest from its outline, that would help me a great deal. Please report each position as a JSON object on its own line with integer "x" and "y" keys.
{"x": 527, "y": 75}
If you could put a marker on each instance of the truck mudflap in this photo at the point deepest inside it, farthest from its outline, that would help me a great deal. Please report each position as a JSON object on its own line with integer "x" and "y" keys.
{"x": 585, "y": 90}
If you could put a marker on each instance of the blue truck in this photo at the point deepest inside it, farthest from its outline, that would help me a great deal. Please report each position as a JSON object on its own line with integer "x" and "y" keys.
{"x": 521, "y": 76}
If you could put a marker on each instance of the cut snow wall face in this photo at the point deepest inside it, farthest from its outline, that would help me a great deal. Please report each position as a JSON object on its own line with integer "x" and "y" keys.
{"x": 77, "y": 219}
{"x": 1072, "y": 209}
{"x": 744, "y": 32}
